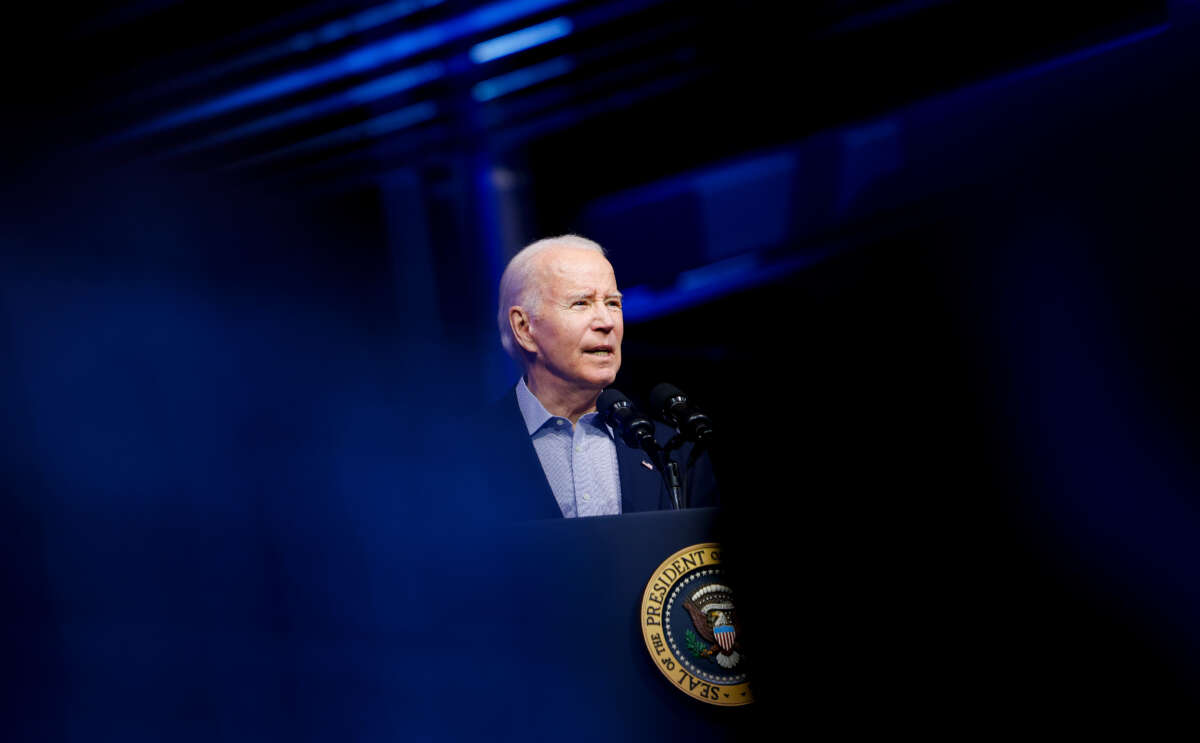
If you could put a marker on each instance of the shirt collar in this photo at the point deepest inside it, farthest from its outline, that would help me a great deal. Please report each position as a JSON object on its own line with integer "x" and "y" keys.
{"x": 536, "y": 415}
{"x": 532, "y": 410}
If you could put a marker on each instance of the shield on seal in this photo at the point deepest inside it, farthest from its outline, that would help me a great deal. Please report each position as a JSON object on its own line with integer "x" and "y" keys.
{"x": 712, "y": 611}
{"x": 725, "y": 635}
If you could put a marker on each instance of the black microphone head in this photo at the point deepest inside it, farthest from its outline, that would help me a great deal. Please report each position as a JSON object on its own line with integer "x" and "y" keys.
{"x": 609, "y": 399}
{"x": 660, "y": 396}
{"x": 670, "y": 405}
{"x": 617, "y": 410}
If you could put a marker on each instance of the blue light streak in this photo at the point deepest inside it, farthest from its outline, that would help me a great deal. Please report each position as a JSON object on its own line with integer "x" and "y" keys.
{"x": 301, "y": 42}
{"x": 379, "y": 126}
{"x": 385, "y": 86}
{"x": 523, "y": 78}
{"x": 394, "y": 121}
{"x": 394, "y": 83}
{"x": 519, "y": 41}
{"x": 704, "y": 284}
{"x": 364, "y": 21}
{"x": 356, "y": 62}
{"x": 1070, "y": 58}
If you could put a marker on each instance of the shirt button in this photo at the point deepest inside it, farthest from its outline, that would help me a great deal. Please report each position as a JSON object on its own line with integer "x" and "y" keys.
{"x": 558, "y": 422}
{"x": 587, "y": 497}
{"x": 579, "y": 447}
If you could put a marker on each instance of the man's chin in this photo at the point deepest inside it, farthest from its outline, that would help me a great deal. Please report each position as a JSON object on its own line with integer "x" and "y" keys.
{"x": 601, "y": 381}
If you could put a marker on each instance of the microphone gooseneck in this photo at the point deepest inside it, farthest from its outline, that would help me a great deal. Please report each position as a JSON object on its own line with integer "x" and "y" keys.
{"x": 637, "y": 431}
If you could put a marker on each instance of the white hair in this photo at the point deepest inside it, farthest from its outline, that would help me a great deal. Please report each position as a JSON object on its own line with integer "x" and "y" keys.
{"x": 517, "y": 289}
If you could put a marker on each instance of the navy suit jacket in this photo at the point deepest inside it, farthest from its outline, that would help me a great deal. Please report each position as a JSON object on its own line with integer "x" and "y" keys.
{"x": 515, "y": 473}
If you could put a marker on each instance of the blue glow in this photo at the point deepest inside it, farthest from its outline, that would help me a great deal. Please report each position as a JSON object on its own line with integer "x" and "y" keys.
{"x": 302, "y": 42}
{"x": 870, "y": 153}
{"x": 703, "y": 284}
{"x": 518, "y": 41}
{"x": 489, "y": 223}
{"x": 745, "y": 271}
{"x": 380, "y": 125}
{"x": 1093, "y": 51}
{"x": 394, "y": 83}
{"x": 366, "y": 20}
{"x": 1064, "y": 60}
{"x": 356, "y": 62}
{"x": 891, "y": 11}
{"x": 374, "y": 90}
{"x": 504, "y": 84}
{"x": 396, "y": 120}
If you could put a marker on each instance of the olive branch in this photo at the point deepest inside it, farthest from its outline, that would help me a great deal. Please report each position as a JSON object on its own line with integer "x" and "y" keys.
{"x": 697, "y": 646}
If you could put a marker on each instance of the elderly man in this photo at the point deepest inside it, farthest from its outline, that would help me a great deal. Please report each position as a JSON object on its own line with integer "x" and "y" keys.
{"x": 560, "y": 319}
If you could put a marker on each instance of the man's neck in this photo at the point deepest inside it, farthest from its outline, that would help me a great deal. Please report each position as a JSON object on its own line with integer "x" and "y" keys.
{"x": 570, "y": 403}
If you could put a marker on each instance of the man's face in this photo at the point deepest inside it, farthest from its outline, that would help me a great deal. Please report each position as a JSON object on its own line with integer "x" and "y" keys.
{"x": 578, "y": 326}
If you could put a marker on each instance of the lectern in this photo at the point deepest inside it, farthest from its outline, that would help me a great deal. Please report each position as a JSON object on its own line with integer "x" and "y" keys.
{"x": 583, "y": 665}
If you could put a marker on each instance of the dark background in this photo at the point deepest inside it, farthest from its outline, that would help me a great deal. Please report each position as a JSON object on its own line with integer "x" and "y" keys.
{"x": 929, "y": 265}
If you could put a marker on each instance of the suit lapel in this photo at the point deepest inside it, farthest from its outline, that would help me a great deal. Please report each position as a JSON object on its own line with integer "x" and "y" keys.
{"x": 640, "y": 486}
{"x": 536, "y": 498}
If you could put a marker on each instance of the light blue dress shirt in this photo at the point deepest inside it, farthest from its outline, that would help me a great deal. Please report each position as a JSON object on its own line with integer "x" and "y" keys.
{"x": 580, "y": 461}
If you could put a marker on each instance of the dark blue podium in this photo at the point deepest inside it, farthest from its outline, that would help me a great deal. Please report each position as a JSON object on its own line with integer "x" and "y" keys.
{"x": 579, "y": 665}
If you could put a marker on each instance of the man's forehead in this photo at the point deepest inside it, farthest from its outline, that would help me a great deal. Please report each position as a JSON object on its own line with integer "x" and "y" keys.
{"x": 577, "y": 269}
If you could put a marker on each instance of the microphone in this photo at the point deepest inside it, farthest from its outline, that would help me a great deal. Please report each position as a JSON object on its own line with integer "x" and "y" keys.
{"x": 638, "y": 432}
{"x": 670, "y": 405}
{"x": 635, "y": 429}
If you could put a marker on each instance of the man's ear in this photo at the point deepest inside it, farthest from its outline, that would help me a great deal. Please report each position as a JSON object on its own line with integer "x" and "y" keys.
{"x": 518, "y": 320}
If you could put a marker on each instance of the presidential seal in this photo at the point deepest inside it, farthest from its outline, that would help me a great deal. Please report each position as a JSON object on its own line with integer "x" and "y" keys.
{"x": 689, "y": 621}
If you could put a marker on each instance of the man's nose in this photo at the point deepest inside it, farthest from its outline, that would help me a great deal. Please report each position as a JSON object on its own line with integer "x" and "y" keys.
{"x": 604, "y": 317}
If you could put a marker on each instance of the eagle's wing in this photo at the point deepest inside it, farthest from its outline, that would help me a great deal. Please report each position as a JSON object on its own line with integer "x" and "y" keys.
{"x": 700, "y": 621}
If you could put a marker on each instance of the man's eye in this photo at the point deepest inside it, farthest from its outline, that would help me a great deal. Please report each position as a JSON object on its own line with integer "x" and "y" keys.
{"x": 615, "y": 304}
